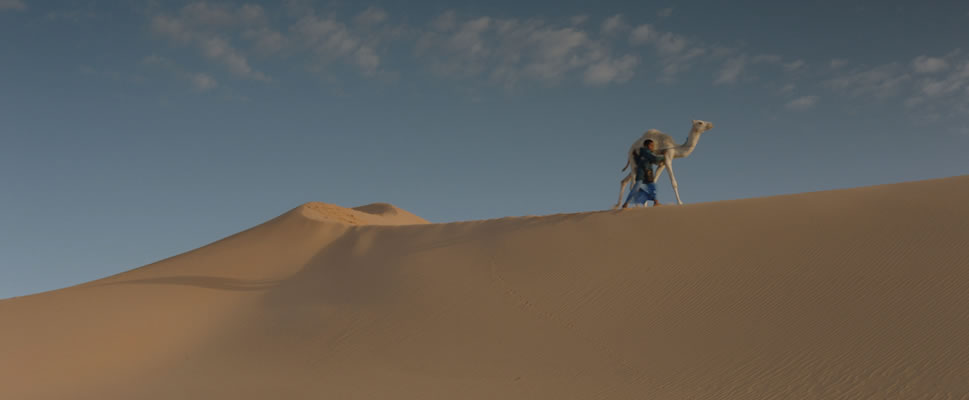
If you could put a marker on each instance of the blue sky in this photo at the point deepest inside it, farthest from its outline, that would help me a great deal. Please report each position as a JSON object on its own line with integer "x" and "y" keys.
{"x": 131, "y": 133}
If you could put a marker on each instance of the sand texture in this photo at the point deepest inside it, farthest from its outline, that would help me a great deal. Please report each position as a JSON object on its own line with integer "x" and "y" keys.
{"x": 847, "y": 294}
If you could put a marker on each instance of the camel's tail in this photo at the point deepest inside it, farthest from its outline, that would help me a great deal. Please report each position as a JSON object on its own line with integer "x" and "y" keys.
{"x": 624, "y": 168}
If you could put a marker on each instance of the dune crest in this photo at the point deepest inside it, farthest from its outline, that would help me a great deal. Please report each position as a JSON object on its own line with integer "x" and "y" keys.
{"x": 857, "y": 293}
{"x": 370, "y": 214}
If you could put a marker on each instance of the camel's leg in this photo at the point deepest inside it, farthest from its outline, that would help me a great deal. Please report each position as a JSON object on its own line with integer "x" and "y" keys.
{"x": 622, "y": 188}
{"x": 659, "y": 172}
{"x": 676, "y": 190}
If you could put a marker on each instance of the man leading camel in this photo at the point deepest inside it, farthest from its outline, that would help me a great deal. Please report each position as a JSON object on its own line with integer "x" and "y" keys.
{"x": 666, "y": 147}
{"x": 644, "y": 189}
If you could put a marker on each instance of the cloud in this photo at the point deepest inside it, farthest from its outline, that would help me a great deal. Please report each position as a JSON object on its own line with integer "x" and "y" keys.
{"x": 794, "y": 65}
{"x": 929, "y": 65}
{"x": 74, "y": 16}
{"x": 367, "y": 59}
{"x": 774, "y": 59}
{"x": 611, "y": 70}
{"x": 203, "y": 82}
{"x": 445, "y": 22}
{"x": 218, "y": 49}
{"x": 155, "y": 59}
{"x": 331, "y": 40}
{"x": 731, "y": 70}
{"x": 229, "y": 35}
{"x": 837, "y": 63}
{"x": 670, "y": 43}
{"x": 788, "y": 88}
{"x": 675, "y": 64}
{"x": 510, "y": 51}
{"x": 675, "y": 52}
{"x": 802, "y": 103}
{"x": 614, "y": 24}
{"x": 455, "y": 48}
{"x": 880, "y": 82}
{"x": 766, "y": 58}
{"x": 265, "y": 40}
{"x": 666, "y": 12}
{"x": 931, "y": 88}
{"x": 172, "y": 28}
{"x": 371, "y": 16}
{"x": 115, "y": 75}
{"x": 642, "y": 34}
{"x": 579, "y": 19}
{"x": 209, "y": 14}
{"x": 200, "y": 25}
{"x": 532, "y": 50}
{"x": 12, "y": 5}
{"x": 946, "y": 85}
{"x": 200, "y": 81}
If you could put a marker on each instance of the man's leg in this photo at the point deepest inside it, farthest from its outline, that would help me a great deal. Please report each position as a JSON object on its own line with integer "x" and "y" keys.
{"x": 638, "y": 199}
{"x": 651, "y": 192}
{"x": 632, "y": 193}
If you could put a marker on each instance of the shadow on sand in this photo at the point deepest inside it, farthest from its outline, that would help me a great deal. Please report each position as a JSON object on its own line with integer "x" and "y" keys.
{"x": 207, "y": 282}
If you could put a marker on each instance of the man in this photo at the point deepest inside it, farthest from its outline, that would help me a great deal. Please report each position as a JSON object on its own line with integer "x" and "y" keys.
{"x": 644, "y": 189}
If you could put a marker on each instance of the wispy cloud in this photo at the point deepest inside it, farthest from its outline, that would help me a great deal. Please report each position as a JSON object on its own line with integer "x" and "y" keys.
{"x": 197, "y": 25}
{"x": 880, "y": 82}
{"x": 938, "y": 85}
{"x": 230, "y": 35}
{"x": 579, "y": 19}
{"x": 265, "y": 40}
{"x": 795, "y": 65}
{"x": 611, "y": 70}
{"x": 510, "y": 51}
{"x": 220, "y": 50}
{"x": 931, "y": 87}
{"x": 802, "y": 103}
{"x": 371, "y": 16}
{"x": 126, "y": 77}
{"x": 200, "y": 81}
{"x": 203, "y": 81}
{"x": 731, "y": 70}
{"x": 676, "y": 53}
{"x": 331, "y": 40}
{"x": 670, "y": 43}
{"x": 12, "y": 5}
{"x": 74, "y": 16}
{"x": 929, "y": 65}
{"x": 642, "y": 34}
{"x": 779, "y": 61}
{"x": 614, "y": 24}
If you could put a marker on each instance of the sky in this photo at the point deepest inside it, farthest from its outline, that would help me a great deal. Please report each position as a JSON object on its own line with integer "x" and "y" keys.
{"x": 134, "y": 131}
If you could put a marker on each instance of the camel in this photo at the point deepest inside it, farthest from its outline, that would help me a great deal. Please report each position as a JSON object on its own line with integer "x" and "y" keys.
{"x": 665, "y": 146}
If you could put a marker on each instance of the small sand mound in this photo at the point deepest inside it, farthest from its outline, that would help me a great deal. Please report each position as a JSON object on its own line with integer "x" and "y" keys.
{"x": 392, "y": 212}
{"x": 330, "y": 212}
{"x": 370, "y": 214}
{"x": 382, "y": 209}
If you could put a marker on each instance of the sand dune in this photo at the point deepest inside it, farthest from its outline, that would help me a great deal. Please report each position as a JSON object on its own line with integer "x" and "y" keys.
{"x": 860, "y": 293}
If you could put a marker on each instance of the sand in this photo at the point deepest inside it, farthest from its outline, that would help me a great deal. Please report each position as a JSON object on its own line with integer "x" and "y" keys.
{"x": 858, "y": 294}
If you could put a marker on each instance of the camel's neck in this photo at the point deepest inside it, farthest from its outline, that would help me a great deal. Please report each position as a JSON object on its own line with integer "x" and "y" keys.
{"x": 685, "y": 149}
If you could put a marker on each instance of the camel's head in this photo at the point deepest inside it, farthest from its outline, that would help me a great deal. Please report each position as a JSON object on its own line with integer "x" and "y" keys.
{"x": 702, "y": 126}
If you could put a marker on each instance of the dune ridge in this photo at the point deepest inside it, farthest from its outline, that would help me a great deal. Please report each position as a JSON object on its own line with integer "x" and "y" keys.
{"x": 857, "y": 293}
{"x": 370, "y": 214}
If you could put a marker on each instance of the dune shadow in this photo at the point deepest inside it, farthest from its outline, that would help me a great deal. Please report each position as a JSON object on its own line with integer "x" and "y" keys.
{"x": 207, "y": 282}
